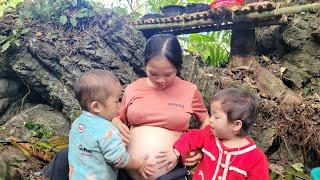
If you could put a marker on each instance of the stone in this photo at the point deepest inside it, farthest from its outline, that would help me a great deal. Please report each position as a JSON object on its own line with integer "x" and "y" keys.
{"x": 49, "y": 118}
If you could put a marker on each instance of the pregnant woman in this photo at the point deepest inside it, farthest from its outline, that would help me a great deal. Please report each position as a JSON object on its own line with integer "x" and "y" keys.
{"x": 156, "y": 110}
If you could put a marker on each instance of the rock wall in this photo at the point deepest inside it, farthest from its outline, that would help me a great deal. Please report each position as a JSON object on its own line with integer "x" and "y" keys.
{"x": 296, "y": 48}
{"x": 49, "y": 66}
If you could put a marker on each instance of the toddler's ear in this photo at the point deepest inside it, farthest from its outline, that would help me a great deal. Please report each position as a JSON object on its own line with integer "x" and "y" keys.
{"x": 237, "y": 125}
{"x": 95, "y": 107}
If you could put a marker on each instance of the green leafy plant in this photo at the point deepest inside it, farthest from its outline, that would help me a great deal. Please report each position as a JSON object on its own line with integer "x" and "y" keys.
{"x": 213, "y": 47}
{"x": 38, "y": 130}
{"x": 155, "y": 5}
{"x": 66, "y": 12}
{"x": 294, "y": 172}
{"x": 138, "y": 8}
{"x": 12, "y": 39}
{"x": 8, "y": 5}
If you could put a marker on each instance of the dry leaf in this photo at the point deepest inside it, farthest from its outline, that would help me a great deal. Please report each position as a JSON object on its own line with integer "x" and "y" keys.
{"x": 265, "y": 58}
{"x": 38, "y": 34}
{"x": 282, "y": 70}
{"x": 278, "y": 169}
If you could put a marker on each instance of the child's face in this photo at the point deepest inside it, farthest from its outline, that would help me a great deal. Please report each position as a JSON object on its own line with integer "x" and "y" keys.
{"x": 111, "y": 104}
{"x": 219, "y": 122}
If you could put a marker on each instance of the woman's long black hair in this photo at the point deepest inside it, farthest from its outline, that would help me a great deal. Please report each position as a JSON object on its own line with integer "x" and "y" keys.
{"x": 166, "y": 45}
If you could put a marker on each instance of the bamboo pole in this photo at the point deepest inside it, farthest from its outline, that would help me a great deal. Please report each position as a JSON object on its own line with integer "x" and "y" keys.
{"x": 181, "y": 24}
{"x": 280, "y": 11}
{"x": 233, "y": 19}
{"x": 243, "y": 25}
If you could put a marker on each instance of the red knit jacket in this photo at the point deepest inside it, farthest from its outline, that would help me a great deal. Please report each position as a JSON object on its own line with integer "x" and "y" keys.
{"x": 225, "y": 3}
{"x": 220, "y": 162}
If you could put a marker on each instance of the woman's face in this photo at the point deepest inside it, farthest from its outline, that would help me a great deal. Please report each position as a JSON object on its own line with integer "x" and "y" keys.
{"x": 160, "y": 72}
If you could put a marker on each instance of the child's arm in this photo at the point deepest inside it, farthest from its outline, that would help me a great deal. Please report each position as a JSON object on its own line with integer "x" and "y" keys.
{"x": 188, "y": 142}
{"x": 115, "y": 154}
{"x": 260, "y": 170}
{"x": 113, "y": 149}
{"x": 192, "y": 140}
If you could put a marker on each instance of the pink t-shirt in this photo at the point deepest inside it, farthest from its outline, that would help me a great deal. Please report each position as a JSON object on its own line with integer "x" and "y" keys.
{"x": 169, "y": 108}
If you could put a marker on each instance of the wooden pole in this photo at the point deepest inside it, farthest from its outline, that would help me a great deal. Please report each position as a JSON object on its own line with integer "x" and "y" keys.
{"x": 280, "y": 11}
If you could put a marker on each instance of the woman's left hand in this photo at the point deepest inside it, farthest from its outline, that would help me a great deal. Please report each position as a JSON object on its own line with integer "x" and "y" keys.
{"x": 193, "y": 158}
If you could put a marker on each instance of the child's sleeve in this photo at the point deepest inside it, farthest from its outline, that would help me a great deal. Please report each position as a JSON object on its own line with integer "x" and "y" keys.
{"x": 192, "y": 140}
{"x": 113, "y": 149}
{"x": 259, "y": 171}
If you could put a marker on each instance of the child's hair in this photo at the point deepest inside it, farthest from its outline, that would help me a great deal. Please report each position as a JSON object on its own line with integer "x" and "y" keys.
{"x": 94, "y": 85}
{"x": 238, "y": 105}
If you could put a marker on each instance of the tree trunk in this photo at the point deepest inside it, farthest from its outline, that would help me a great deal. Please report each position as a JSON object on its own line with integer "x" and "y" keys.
{"x": 242, "y": 57}
{"x": 50, "y": 66}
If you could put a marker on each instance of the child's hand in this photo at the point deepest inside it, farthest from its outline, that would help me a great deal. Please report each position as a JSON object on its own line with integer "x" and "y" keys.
{"x": 167, "y": 158}
{"x": 146, "y": 167}
{"x": 193, "y": 158}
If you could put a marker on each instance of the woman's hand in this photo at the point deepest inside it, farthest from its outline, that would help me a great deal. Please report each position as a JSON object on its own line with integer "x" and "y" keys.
{"x": 167, "y": 158}
{"x": 146, "y": 167}
{"x": 124, "y": 130}
{"x": 193, "y": 158}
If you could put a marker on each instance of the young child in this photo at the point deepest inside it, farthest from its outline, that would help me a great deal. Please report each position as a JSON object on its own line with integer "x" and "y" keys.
{"x": 228, "y": 153}
{"x": 96, "y": 149}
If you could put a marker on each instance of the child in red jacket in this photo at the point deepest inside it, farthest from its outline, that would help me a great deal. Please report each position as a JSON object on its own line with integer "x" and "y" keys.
{"x": 228, "y": 153}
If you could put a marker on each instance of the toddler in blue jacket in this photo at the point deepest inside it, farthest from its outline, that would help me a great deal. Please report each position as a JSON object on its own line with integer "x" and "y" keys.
{"x": 96, "y": 149}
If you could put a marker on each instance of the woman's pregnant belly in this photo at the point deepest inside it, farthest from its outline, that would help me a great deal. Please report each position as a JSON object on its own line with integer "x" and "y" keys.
{"x": 150, "y": 140}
